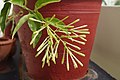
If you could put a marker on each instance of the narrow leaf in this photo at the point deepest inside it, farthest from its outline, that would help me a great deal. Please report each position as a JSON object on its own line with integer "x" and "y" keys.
{"x": 81, "y": 64}
{"x": 75, "y": 46}
{"x": 53, "y": 59}
{"x": 45, "y": 56}
{"x": 63, "y": 58}
{"x": 43, "y": 43}
{"x": 20, "y": 23}
{"x": 63, "y": 19}
{"x": 53, "y": 35}
{"x": 36, "y": 20}
{"x": 43, "y": 64}
{"x": 77, "y": 41}
{"x": 56, "y": 23}
{"x": 36, "y": 40}
{"x": 38, "y": 15}
{"x": 82, "y": 31}
{"x": 68, "y": 68}
{"x": 40, "y": 3}
{"x": 74, "y": 22}
{"x": 4, "y": 14}
{"x": 74, "y": 63}
{"x": 79, "y": 53}
{"x": 32, "y": 25}
{"x": 41, "y": 50}
{"x": 56, "y": 48}
{"x": 83, "y": 26}
{"x": 46, "y": 53}
{"x": 83, "y": 39}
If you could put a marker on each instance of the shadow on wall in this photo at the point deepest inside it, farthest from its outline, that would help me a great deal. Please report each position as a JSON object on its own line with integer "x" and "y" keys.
{"x": 106, "y": 50}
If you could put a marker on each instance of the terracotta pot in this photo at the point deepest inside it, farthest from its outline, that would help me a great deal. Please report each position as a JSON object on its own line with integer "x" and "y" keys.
{"x": 8, "y": 30}
{"x": 88, "y": 11}
{"x": 6, "y": 47}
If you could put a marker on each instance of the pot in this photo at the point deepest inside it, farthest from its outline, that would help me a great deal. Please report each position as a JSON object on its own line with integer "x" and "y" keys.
{"x": 6, "y": 47}
{"x": 86, "y": 10}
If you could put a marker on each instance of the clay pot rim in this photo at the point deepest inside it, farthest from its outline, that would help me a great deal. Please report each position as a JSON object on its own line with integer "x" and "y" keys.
{"x": 6, "y": 41}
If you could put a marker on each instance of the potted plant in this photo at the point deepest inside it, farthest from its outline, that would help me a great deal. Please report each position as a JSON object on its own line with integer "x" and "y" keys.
{"x": 6, "y": 42}
{"x": 55, "y": 46}
{"x": 7, "y": 50}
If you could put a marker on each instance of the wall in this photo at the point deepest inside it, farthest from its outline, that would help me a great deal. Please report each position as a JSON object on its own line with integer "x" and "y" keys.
{"x": 106, "y": 50}
{"x": 1, "y": 5}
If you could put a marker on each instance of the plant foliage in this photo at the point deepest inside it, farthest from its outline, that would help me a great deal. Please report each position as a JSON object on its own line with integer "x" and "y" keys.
{"x": 53, "y": 26}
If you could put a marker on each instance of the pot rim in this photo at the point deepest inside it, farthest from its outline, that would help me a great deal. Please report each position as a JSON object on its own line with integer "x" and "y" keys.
{"x": 6, "y": 41}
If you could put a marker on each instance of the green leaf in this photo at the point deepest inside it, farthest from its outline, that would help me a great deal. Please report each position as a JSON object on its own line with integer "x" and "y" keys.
{"x": 33, "y": 25}
{"x": 38, "y": 15}
{"x": 56, "y": 23}
{"x": 20, "y": 23}
{"x": 4, "y": 15}
{"x": 41, "y": 3}
{"x": 18, "y": 2}
{"x": 36, "y": 34}
{"x": 36, "y": 39}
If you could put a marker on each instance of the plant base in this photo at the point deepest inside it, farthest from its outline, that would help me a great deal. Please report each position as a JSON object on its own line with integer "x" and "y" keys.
{"x": 91, "y": 75}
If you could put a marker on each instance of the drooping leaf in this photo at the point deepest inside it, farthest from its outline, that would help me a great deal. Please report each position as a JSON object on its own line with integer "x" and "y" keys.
{"x": 36, "y": 39}
{"x": 4, "y": 15}
{"x": 33, "y": 25}
{"x": 20, "y": 23}
{"x": 36, "y": 34}
{"x": 13, "y": 25}
{"x": 41, "y": 3}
